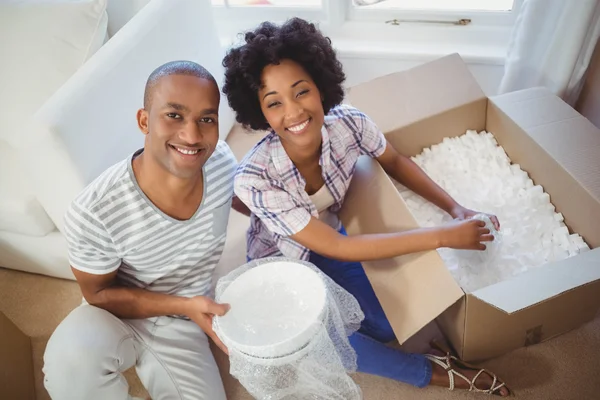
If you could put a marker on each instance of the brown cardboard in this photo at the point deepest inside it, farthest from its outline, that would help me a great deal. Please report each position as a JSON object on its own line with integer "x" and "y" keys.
{"x": 16, "y": 362}
{"x": 414, "y": 299}
{"x": 557, "y": 147}
{"x": 407, "y": 95}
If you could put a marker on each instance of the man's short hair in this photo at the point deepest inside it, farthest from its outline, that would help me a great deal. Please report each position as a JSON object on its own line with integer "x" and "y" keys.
{"x": 174, "y": 68}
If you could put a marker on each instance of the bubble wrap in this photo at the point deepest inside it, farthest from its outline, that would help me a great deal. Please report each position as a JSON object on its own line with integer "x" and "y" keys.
{"x": 476, "y": 172}
{"x": 319, "y": 370}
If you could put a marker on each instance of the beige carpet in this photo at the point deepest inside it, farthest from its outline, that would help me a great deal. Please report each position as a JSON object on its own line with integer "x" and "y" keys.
{"x": 565, "y": 368}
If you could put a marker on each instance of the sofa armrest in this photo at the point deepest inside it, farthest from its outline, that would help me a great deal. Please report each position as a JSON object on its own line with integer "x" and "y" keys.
{"x": 90, "y": 123}
{"x": 121, "y": 11}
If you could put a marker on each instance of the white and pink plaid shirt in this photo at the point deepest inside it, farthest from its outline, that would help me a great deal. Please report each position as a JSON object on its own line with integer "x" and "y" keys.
{"x": 272, "y": 188}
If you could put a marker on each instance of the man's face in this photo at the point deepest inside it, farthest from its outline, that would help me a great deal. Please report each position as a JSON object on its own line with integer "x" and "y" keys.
{"x": 181, "y": 124}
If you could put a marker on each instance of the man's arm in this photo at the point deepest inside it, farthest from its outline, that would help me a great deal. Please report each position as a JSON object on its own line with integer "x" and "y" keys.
{"x": 124, "y": 302}
{"x": 135, "y": 303}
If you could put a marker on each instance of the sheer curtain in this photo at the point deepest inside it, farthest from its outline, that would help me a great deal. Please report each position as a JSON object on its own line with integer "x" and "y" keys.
{"x": 551, "y": 46}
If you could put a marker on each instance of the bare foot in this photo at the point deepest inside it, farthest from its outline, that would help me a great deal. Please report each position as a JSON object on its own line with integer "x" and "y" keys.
{"x": 484, "y": 381}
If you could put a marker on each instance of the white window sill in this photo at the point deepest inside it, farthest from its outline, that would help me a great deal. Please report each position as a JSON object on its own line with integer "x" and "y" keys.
{"x": 411, "y": 42}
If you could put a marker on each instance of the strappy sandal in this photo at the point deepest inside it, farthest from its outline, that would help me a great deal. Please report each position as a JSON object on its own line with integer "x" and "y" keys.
{"x": 448, "y": 360}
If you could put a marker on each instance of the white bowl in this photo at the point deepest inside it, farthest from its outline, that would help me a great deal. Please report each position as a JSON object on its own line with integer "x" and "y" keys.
{"x": 276, "y": 309}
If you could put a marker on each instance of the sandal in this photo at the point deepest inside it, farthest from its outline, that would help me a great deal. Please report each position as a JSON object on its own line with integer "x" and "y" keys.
{"x": 447, "y": 362}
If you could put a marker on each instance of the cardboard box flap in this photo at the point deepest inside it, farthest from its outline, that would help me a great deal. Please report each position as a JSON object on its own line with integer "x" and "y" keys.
{"x": 534, "y": 107}
{"x": 402, "y": 98}
{"x": 413, "y": 289}
{"x": 572, "y": 170}
{"x": 547, "y": 118}
{"x": 542, "y": 283}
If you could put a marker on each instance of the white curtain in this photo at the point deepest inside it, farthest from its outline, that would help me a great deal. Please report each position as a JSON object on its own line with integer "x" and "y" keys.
{"x": 551, "y": 45}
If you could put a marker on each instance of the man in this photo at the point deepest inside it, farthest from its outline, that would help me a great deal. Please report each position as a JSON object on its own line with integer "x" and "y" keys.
{"x": 144, "y": 239}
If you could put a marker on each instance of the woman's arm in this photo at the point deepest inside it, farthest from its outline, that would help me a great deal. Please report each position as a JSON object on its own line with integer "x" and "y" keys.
{"x": 405, "y": 171}
{"x": 239, "y": 206}
{"x": 324, "y": 240}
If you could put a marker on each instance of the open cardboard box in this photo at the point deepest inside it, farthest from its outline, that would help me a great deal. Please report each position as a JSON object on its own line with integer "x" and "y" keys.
{"x": 559, "y": 149}
{"x": 16, "y": 362}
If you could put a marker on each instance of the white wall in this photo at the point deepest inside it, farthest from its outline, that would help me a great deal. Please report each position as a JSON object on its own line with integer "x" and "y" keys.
{"x": 359, "y": 70}
{"x": 201, "y": 37}
{"x": 121, "y": 11}
{"x": 589, "y": 99}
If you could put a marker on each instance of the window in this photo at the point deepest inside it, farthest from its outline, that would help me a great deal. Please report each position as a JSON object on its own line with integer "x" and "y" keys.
{"x": 460, "y": 12}
{"x": 460, "y": 5}
{"x": 386, "y": 27}
{"x": 247, "y": 13}
{"x": 269, "y": 3}
{"x": 481, "y": 12}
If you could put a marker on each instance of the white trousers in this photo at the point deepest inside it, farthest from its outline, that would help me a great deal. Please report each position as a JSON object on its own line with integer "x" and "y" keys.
{"x": 90, "y": 349}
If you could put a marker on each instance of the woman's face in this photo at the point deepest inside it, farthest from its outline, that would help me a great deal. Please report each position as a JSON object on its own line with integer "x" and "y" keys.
{"x": 291, "y": 104}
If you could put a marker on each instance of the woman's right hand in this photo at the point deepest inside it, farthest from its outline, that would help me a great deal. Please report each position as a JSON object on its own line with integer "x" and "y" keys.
{"x": 324, "y": 240}
{"x": 465, "y": 234}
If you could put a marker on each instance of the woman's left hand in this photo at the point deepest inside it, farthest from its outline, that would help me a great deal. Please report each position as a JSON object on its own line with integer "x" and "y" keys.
{"x": 460, "y": 212}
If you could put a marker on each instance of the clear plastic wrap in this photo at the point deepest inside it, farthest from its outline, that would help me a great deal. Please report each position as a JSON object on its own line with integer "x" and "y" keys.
{"x": 287, "y": 331}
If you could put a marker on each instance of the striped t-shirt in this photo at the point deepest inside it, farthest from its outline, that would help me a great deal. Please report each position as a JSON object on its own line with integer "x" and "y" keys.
{"x": 113, "y": 225}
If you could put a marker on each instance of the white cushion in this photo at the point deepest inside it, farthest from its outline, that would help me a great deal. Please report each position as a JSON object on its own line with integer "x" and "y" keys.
{"x": 43, "y": 44}
{"x": 20, "y": 212}
{"x": 40, "y": 255}
{"x": 90, "y": 123}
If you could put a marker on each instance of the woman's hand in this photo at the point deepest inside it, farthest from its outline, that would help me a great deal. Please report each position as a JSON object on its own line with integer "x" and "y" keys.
{"x": 466, "y": 234}
{"x": 461, "y": 213}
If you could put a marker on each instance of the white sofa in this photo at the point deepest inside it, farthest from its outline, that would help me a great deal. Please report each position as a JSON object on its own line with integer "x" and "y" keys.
{"x": 72, "y": 97}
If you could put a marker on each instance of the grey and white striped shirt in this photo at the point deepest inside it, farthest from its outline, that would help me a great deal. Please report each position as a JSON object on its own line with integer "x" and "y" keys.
{"x": 113, "y": 225}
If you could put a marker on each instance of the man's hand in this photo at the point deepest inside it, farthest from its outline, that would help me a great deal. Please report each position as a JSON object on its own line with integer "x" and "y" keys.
{"x": 461, "y": 213}
{"x": 201, "y": 310}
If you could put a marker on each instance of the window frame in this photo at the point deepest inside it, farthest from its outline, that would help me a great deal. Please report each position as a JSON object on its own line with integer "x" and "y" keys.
{"x": 253, "y": 15}
{"x": 483, "y": 41}
{"x": 489, "y": 18}
{"x": 335, "y": 13}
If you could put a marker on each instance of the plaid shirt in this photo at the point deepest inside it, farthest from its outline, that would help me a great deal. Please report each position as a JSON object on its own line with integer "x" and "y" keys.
{"x": 272, "y": 188}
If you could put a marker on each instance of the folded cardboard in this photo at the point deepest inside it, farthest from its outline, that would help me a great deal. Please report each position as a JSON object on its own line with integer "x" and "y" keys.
{"x": 16, "y": 362}
{"x": 559, "y": 149}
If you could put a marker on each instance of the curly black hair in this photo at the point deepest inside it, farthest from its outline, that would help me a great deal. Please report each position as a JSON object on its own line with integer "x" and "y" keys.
{"x": 296, "y": 40}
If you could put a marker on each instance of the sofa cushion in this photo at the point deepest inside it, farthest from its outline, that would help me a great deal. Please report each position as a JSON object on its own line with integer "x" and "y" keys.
{"x": 89, "y": 124}
{"x": 121, "y": 11}
{"x": 20, "y": 212}
{"x": 47, "y": 42}
{"x": 39, "y": 255}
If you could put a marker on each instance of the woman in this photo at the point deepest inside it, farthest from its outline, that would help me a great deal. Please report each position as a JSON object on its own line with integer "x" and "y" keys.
{"x": 288, "y": 80}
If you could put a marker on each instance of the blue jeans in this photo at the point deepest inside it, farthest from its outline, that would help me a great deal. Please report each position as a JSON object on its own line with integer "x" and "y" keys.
{"x": 374, "y": 357}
